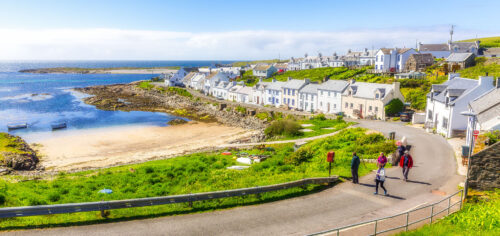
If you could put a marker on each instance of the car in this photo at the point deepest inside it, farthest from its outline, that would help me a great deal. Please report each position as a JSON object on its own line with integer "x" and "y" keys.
{"x": 406, "y": 116}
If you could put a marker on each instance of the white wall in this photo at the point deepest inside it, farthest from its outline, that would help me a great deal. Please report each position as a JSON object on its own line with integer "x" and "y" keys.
{"x": 335, "y": 101}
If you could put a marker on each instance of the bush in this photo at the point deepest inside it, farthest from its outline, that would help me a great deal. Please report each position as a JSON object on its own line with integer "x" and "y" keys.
{"x": 283, "y": 127}
{"x": 320, "y": 117}
{"x": 303, "y": 154}
{"x": 241, "y": 109}
{"x": 263, "y": 116}
{"x": 394, "y": 107}
{"x": 180, "y": 91}
{"x": 2, "y": 199}
{"x": 145, "y": 85}
{"x": 493, "y": 136}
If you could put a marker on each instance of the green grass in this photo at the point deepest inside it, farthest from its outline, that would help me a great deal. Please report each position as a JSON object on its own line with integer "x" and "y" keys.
{"x": 145, "y": 85}
{"x": 318, "y": 128}
{"x": 479, "y": 216}
{"x": 180, "y": 91}
{"x": 318, "y": 74}
{"x": 201, "y": 172}
{"x": 480, "y": 69}
{"x": 10, "y": 144}
{"x": 490, "y": 42}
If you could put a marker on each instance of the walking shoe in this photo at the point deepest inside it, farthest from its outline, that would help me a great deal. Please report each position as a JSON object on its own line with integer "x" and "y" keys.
{"x": 375, "y": 193}
{"x": 385, "y": 193}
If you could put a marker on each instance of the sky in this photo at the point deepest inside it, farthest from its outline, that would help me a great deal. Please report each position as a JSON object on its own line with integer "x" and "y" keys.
{"x": 230, "y": 30}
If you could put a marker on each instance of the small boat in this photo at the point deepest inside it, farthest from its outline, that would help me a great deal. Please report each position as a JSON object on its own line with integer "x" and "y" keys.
{"x": 17, "y": 126}
{"x": 60, "y": 125}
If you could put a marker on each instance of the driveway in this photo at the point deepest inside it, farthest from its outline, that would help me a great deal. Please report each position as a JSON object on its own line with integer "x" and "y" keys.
{"x": 346, "y": 203}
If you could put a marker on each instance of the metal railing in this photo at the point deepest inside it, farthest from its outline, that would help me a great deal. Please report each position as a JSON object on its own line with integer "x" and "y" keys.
{"x": 362, "y": 228}
{"x": 152, "y": 201}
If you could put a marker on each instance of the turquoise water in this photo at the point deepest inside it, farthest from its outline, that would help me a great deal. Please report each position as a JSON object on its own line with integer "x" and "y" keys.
{"x": 43, "y": 99}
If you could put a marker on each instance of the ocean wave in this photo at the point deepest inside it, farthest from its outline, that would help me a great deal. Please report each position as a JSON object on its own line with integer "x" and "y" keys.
{"x": 8, "y": 89}
{"x": 29, "y": 97}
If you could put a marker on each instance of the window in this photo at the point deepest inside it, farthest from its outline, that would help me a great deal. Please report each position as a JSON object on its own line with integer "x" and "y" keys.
{"x": 284, "y": 100}
{"x": 346, "y": 105}
{"x": 381, "y": 67}
{"x": 370, "y": 108}
{"x": 321, "y": 92}
{"x": 321, "y": 104}
{"x": 334, "y": 105}
{"x": 376, "y": 95}
{"x": 445, "y": 122}
{"x": 335, "y": 94}
{"x": 307, "y": 96}
{"x": 293, "y": 102}
{"x": 376, "y": 109}
{"x": 429, "y": 115}
{"x": 293, "y": 92}
{"x": 328, "y": 93}
{"x": 399, "y": 57}
{"x": 351, "y": 105}
{"x": 381, "y": 58}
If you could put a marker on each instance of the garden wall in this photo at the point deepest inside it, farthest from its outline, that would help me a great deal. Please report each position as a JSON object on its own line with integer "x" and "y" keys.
{"x": 485, "y": 168}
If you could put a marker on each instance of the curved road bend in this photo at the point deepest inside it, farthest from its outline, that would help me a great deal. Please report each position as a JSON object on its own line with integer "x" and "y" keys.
{"x": 435, "y": 169}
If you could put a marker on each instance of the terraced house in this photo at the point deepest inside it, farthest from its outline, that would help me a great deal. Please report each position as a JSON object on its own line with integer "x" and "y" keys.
{"x": 273, "y": 93}
{"x": 330, "y": 96}
{"x": 368, "y": 100}
{"x": 264, "y": 71}
{"x": 290, "y": 91}
{"x": 446, "y": 101}
{"x": 392, "y": 59}
{"x": 308, "y": 97}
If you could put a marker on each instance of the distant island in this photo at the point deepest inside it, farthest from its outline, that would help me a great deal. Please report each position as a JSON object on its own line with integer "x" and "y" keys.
{"x": 116, "y": 70}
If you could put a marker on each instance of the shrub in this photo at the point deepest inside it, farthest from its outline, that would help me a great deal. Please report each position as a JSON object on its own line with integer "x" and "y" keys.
{"x": 320, "y": 117}
{"x": 149, "y": 169}
{"x": 340, "y": 118}
{"x": 493, "y": 136}
{"x": 394, "y": 107}
{"x": 2, "y": 199}
{"x": 303, "y": 154}
{"x": 283, "y": 127}
{"x": 262, "y": 116}
{"x": 180, "y": 91}
{"x": 145, "y": 85}
{"x": 240, "y": 109}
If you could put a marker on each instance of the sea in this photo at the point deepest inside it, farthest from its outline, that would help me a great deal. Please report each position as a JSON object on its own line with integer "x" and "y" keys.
{"x": 44, "y": 99}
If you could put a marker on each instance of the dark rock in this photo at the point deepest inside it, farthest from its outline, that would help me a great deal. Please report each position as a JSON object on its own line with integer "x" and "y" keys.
{"x": 177, "y": 121}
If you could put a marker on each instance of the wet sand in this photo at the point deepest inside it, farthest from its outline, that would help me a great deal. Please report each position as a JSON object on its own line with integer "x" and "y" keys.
{"x": 102, "y": 147}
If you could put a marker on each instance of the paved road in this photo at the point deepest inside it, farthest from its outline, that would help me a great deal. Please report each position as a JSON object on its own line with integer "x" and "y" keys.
{"x": 435, "y": 169}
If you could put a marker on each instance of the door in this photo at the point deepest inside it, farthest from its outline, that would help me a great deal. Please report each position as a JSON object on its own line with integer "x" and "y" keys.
{"x": 328, "y": 107}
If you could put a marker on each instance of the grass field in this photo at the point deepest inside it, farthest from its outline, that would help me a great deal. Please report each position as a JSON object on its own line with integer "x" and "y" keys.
{"x": 490, "y": 42}
{"x": 202, "y": 172}
{"x": 11, "y": 144}
{"x": 479, "y": 216}
{"x": 318, "y": 126}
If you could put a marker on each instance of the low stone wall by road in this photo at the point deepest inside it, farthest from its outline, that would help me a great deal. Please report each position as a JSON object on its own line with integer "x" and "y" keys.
{"x": 485, "y": 169}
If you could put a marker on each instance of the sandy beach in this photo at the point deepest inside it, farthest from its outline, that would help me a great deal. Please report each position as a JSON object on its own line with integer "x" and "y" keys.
{"x": 102, "y": 147}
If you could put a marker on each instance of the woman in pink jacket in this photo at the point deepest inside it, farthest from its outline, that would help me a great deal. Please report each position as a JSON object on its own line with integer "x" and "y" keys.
{"x": 382, "y": 160}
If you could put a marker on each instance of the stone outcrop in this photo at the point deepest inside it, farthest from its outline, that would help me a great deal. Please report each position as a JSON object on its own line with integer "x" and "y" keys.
{"x": 485, "y": 168}
{"x": 129, "y": 97}
{"x": 24, "y": 158}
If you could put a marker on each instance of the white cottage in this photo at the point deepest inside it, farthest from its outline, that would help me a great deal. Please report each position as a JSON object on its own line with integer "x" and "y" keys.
{"x": 330, "y": 96}
{"x": 308, "y": 98}
{"x": 273, "y": 93}
{"x": 392, "y": 59}
{"x": 487, "y": 110}
{"x": 446, "y": 101}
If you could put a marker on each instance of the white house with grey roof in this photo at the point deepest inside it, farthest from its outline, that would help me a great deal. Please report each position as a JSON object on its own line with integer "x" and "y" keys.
{"x": 446, "y": 101}
{"x": 290, "y": 92}
{"x": 487, "y": 110}
{"x": 308, "y": 97}
{"x": 273, "y": 93}
{"x": 259, "y": 92}
{"x": 330, "y": 96}
{"x": 264, "y": 71}
{"x": 368, "y": 100}
{"x": 392, "y": 59}
{"x": 441, "y": 50}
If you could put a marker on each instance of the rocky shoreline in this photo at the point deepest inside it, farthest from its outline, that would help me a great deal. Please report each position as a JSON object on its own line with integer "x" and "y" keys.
{"x": 18, "y": 156}
{"x": 129, "y": 97}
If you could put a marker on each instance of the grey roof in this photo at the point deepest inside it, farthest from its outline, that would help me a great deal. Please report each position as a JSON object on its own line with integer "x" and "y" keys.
{"x": 459, "y": 57}
{"x": 487, "y": 106}
{"x": 491, "y": 51}
{"x": 276, "y": 85}
{"x": 244, "y": 90}
{"x": 334, "y": 85}
{"x": 294, "y": 84}
{"x": 434, "y": 47}
{"x": 310, "y": 88}
{"x": 262, "y": 85}
{"x": 463, "y": 46}
{"x": 367, "y": 90}
{"x": 452, "y": 85}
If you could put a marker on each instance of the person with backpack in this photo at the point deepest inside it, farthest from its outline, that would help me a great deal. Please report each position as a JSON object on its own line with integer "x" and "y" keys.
{"x": 354, "y": 168}
{"x": 406, "y": 163}
{"x": 380, "y": 179}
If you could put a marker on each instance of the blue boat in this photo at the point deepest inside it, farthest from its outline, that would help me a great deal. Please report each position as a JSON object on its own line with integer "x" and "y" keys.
{"x": 60, "y": 125}
{"x": 17, "y": 126}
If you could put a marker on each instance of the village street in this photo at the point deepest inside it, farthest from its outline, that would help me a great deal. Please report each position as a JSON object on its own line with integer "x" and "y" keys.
{"x": 434, "y": 172}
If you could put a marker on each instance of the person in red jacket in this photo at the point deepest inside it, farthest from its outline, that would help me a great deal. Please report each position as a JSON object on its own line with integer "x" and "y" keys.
{"x": 406, "y": 163}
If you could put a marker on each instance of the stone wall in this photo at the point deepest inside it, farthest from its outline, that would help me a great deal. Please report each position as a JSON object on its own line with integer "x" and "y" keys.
{"x": 485, "y": 169}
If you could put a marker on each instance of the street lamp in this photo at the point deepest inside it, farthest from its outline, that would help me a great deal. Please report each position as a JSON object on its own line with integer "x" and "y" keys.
{"x": 472, "y": 117}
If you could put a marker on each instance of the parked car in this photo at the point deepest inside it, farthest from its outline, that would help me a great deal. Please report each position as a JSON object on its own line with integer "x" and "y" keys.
{"x": 406, "y": 116}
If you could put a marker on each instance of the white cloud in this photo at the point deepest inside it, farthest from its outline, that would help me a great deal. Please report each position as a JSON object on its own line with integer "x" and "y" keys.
{"x": 66, "y": 44}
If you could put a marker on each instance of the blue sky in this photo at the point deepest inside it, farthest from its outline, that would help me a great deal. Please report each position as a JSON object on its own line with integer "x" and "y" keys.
{"x": 202, "y": 29}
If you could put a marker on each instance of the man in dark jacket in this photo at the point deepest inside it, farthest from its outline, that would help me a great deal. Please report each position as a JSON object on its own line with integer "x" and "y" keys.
{"x": 406, "y": 163}
{"x": 354, "y": 167}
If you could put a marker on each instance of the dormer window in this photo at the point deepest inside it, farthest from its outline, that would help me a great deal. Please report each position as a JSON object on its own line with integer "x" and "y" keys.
{"x": 377, "y": 96}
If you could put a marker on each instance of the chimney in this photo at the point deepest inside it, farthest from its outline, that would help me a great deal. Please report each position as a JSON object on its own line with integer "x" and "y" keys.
{"x": 486, "y": 80}
{"x": 352, "y": 81}
{"x": 307, "y": 81}
{"x": 289, "y": 78}
{"x": 395, "y": 86}
{"x": 453, "y": 75}
{"x": 274, "y": 80}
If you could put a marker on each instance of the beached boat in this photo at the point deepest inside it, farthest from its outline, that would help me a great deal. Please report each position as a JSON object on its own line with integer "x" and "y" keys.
{"x": 17, "y": 126}
{"x": 60, "y": 125}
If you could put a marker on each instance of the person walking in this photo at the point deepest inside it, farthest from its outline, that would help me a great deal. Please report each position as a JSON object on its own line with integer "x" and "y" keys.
{"x": 380, "y": 179}
{"x": 406, "y": 163}
{"x": 354, "y": 168}
{"x": 382, "y": 160}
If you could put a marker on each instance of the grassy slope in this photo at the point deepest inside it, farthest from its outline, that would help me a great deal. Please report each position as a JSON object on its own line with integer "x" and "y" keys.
{"x": 10, "y": 144}
{"x": 490, "y": 42}
{"x": 244, "y": 63}
{"x": 480, "y": 216}
{"x": 482, "y": 66}
{"x": 317, "y": 128}
{"x": 188, "y": 174}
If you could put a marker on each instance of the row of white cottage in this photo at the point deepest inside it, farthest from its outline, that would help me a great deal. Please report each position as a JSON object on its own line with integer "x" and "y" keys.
{"x": 355, "y": 99}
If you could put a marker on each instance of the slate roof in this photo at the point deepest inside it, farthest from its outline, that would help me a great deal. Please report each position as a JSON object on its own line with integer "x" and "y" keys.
{"x": 276, "y": 85}
{"x": 423, "y": 57}
{"x": 487, "y": 106}
{"x": 188, "y": 77}
{"x": 452, "y": 85}
{"x": 434, "y": 47}
{"x": 262, "y": 67}
{"x": 245, "y": 90}
{"x": 458, "y": 57}
{"x": 334, "y": 85}
{"x": 367, "y": 90}
{"x": 400, "y": 50}
{"x": 462, "y": 46}
{"x": 310, "y": 88}
{"x": 294, "y": 84}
